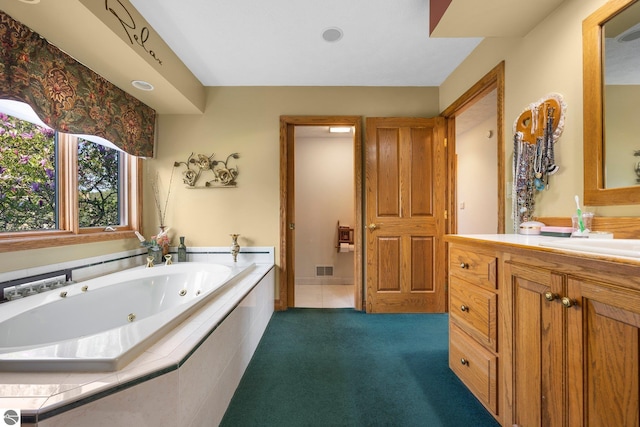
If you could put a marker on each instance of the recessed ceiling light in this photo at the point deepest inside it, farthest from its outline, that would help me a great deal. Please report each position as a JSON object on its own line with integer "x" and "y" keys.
{"x": 30, "y": 1}
{"x": 142, "y": 85}
{"x": 633, "y": 35}
{"x": 332, "y": 34}
{"x": 340, "y": 129}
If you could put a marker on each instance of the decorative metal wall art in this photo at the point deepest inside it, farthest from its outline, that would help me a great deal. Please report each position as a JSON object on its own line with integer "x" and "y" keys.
{"x": 223, "y": 175}
{"x": 636, "y": 168}
{"x": 536, "y": 130}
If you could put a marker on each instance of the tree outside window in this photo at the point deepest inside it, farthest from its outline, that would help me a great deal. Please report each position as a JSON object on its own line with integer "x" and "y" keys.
{"x": 30, "y": 182}
{"x": 98, "y": 185}
{"x": 27, "y": 176}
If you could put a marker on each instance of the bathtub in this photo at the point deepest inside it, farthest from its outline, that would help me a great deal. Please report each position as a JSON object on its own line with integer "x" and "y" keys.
{"x": 104, "y": 323}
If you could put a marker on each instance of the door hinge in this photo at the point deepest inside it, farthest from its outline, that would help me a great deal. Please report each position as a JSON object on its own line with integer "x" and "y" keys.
{"x": 446, "y": 214}
{"x": 445, "y": 143}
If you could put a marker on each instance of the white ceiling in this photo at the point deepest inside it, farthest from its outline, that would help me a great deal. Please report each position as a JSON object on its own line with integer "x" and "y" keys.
{"x": 280, "y": 43}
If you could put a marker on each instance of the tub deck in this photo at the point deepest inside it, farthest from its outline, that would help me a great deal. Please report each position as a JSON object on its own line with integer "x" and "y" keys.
{"x": 43, "y": 395}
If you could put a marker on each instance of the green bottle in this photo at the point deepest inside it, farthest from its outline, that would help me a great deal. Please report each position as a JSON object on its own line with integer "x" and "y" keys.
{"x": 182, "y": 251}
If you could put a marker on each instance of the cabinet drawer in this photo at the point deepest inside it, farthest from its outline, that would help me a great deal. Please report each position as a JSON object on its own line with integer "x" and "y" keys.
{"x": 477, "y": 268}
{"x": 475, "y": 310}
{"x": 475, "y": 366}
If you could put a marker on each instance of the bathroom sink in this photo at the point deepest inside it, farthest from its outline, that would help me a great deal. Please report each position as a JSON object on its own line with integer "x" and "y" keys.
{"x": 617, "y": 247}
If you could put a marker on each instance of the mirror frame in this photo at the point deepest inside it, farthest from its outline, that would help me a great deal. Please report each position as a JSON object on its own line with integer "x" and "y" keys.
{"x": 595, "y": 193}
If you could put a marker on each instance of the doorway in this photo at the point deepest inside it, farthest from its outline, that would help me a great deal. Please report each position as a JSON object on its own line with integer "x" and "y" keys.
{"x": 288, "y": 201}
{"x": 484, "y": 103}
{"x": 324, "y": 210}
{"x": 477, "y": 167}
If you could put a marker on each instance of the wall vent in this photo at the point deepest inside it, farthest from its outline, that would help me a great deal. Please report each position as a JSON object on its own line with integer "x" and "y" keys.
{"x": 324, "y": 270}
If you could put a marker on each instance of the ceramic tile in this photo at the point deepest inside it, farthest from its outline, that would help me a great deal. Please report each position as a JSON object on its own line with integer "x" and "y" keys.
{"x": 308, "y": 296}
{"x": 130, "y": 407}
{"x": 52, "y": 390}
{"x": 324, "y": 296}
{"x": 82, "y": 391}
{"x": 22, "y": 403}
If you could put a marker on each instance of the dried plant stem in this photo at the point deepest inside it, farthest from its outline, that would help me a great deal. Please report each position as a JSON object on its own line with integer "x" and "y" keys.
{"x": 162, "y": 212}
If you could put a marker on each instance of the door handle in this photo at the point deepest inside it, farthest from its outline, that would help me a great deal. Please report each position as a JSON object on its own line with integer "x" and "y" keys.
{"x": 372, "y": 226}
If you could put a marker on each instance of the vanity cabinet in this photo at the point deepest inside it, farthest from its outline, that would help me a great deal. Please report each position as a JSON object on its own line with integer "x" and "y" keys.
{"x": 555, "y": 337}
{"x": 473, "y": 311}
{"x": 576, "y": 349}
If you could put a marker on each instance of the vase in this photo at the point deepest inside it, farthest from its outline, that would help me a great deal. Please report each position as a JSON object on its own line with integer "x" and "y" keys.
{"x": 182, "y": 251}
{"x": 156, "y": 253}
{"x": 164, "y": 246}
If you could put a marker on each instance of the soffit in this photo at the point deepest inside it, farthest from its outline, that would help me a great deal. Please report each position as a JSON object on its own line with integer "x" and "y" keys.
{"x": 493, "y": 18}
{"x": 75, "y": 29}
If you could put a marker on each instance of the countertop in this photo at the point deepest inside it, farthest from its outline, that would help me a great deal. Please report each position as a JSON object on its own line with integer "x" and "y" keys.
{"x": 537, "y": 242}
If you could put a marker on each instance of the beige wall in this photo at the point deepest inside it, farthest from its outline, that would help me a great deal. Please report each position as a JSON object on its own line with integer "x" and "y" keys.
{"x": 243, "y": 120}
{"x": 246, "y": 120}
{"x": 622, "y": 137}
{"x": 548, "y": 59}
{"x": 477, "y": 179}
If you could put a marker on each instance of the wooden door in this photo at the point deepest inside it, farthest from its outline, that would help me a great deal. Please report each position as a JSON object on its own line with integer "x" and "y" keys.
{"x": 405, "y": 191}
{"x": 538, "y": 365}
{"x": 603, "y": 332}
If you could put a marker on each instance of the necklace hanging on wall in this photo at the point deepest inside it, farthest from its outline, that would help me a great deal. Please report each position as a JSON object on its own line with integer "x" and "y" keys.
{"x": 536, "y": 130}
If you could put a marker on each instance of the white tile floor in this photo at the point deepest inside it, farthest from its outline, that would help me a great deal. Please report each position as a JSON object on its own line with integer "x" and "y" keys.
{"x": 324, "y": 296}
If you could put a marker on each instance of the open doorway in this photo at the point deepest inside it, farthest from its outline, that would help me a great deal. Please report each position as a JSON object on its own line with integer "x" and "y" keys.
{"x": 477, "y": 167}
{"x": 325, "y": 216}
{"x": 289, "y": 203}
{"x": 477, "y": 118}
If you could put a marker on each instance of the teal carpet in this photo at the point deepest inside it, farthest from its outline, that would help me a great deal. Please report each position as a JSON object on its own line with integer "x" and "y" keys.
{"x": 340, "y": 367}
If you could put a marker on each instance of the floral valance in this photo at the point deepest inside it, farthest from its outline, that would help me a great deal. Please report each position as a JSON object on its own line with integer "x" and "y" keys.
{"x": 68, "y": 96}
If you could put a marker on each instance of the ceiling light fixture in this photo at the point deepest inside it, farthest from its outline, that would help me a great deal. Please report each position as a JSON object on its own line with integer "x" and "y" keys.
{"x": 633, "y": 35}
{"x": 30, "y": 1}
{"x": 332, "y": 34}
{"x": 340, "y": 129}
{"x": 142, "y": 85}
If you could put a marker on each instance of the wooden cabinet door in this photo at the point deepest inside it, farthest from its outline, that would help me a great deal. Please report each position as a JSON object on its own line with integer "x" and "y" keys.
{"x": 603, "y": 330}
{"x": 537, "y": 347}
{"x": 405, "y": 209}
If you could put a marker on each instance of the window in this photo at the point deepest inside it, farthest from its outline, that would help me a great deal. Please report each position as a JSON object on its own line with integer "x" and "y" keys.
{"x": 57, "y": 188}
{"x": 99, "y": 176}
{"x": 27, "y": 176}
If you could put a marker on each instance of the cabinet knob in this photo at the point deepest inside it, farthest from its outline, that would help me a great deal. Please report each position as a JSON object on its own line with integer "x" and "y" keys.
{"x": 464, "y": 361}
{"x": 550, "y": 296}
{"x": 464, "y": 308}
{"x": 464, "y": 265}
{"x": 567, "y": 302}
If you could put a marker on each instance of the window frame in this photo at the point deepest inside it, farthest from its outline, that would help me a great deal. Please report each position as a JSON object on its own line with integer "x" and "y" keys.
{"x": 69, "y": 231}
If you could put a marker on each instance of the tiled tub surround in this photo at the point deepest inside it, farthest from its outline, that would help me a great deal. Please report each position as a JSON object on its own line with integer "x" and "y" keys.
{"x": 186, "y": 378}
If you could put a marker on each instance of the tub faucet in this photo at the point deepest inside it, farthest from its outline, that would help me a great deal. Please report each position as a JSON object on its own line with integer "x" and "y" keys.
{"x": 235, "y": 247}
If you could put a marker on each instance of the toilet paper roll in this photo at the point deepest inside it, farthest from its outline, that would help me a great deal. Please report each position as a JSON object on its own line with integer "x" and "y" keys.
{"x": 345, "y": 247}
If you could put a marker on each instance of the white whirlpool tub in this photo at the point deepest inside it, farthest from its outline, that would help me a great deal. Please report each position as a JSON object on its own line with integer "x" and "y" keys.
{"x": 104, "y": 323}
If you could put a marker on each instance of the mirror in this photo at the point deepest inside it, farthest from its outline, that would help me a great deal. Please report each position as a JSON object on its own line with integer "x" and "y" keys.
{"x": 610, "y": 112}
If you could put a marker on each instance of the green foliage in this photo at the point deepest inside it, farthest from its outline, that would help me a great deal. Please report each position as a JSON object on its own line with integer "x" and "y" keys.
{"x": 97, "y": 185}
{"x": 27, "y": 176}
{"x": 28, "y": 200}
